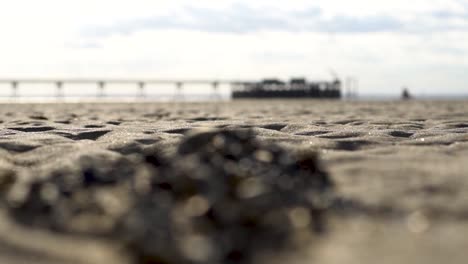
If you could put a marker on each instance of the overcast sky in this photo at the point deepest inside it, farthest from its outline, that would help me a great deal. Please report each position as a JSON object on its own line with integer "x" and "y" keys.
{"x": 386, "y": 44}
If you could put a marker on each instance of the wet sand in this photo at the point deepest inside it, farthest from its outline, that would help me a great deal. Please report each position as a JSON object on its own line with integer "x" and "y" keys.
{"x": 400, "y": 170}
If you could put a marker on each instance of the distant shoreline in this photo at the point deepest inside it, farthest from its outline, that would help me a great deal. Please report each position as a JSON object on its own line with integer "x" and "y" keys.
{"x": 197, "y": 97}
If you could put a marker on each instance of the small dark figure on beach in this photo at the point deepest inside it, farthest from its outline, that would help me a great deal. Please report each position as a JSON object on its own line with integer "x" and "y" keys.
{"x": 405, "y": 95}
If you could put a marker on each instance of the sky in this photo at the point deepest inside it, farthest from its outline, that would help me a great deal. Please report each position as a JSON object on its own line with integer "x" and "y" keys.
{"x": 421, "y": 44}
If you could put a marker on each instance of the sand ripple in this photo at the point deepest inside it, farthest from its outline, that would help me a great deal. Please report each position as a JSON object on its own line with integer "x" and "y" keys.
{"x": 403, "y": 162}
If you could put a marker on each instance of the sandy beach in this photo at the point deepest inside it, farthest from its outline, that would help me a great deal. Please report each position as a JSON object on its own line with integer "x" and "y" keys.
{"x": 399, "y": 171}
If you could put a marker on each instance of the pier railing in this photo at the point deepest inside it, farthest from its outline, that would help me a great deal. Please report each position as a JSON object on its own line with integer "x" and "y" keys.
{"x": 102, "y": 84}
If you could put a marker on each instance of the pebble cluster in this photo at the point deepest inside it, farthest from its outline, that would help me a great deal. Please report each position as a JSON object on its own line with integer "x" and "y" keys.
{"x": 222, "y": 198}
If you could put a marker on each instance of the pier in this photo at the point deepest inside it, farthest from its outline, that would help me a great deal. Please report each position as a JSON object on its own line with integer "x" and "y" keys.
{"x": 267, "y": 88}
{"x": 141, "y": 85}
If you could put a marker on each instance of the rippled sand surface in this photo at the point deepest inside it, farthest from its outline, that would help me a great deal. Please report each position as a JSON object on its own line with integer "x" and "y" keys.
{"x": 400, "y": 169}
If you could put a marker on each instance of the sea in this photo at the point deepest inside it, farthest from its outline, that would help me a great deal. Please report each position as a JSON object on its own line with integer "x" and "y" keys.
{"x": 48, "y": 93}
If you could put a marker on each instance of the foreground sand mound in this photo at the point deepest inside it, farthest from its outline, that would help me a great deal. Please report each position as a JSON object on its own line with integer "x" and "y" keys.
{"x": 223, "y": 197}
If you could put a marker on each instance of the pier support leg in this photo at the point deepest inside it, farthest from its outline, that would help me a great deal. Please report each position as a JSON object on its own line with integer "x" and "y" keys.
{"x": 215, "y": 91}
{"x": 179, "y": 94}
{"x": 59, "y": 90}
{"x": 141, "y": 90}
{"x": 349, "y": 88}
{"x": 355, "y": 87}
{"x": 352, "y": 84}
{"x": 14, "y": 89}
{"x": 101, "y": 87}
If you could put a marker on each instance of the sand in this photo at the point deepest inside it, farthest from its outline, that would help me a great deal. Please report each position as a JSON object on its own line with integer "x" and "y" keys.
{"x": 400, "y": 170}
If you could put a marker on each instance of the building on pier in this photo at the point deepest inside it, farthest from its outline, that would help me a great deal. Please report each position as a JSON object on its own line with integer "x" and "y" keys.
{"x": 295, "y": 88}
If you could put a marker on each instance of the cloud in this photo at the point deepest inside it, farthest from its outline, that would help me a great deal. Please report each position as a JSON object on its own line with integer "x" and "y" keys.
{"x": 349, "y": 24}
{"x": 454, "y": 51}
{"x": 447, "y": 14}
{"x": 242, "y": 19}
{"x": 236, "y": 19}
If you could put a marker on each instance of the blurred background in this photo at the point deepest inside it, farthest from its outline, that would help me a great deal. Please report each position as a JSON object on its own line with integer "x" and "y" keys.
{"x": 385, "y": 45}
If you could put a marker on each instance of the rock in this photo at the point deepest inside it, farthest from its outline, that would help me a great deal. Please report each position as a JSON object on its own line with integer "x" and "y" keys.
{"x": 88, "y": 198}
{"x": 223, "y": 197}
